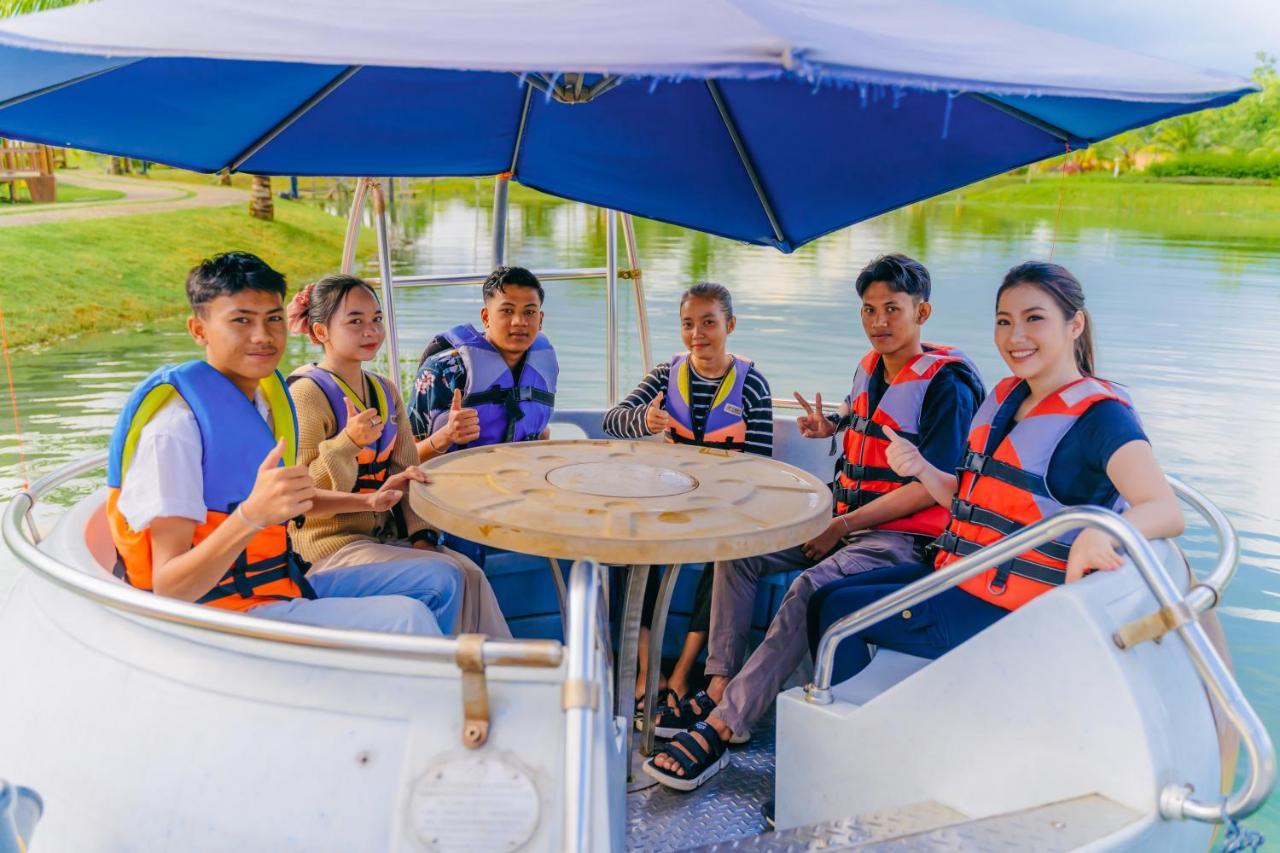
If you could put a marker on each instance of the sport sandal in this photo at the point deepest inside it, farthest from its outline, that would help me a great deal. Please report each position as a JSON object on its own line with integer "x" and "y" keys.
{"x": 699, "y": 764}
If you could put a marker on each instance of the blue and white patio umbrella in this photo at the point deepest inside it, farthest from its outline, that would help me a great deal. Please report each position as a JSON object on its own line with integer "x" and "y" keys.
{"x": 767, "y": 121}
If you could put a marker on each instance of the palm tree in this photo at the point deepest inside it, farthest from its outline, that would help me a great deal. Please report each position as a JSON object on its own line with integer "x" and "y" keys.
{"x": 261, "y": 204}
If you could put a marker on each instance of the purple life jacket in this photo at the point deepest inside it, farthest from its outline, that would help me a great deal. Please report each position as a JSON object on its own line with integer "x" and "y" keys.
{"x": 726, "y": 425}
{"x": 375, "y": 459}
{"x": 509, "y": 409}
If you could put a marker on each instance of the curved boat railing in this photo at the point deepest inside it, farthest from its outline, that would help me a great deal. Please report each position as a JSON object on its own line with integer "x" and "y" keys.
{"x": 1177, "y": 615}
{"x": 118, "y": 596}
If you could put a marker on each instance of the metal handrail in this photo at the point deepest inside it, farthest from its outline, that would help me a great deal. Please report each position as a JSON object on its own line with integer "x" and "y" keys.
{"x": 1206, "y": 594}
{"x": 585, "y": 689}
{"x": 451, "y": 279}
{"x": 1175, "y": 799}
{"x": 532, "y": 653}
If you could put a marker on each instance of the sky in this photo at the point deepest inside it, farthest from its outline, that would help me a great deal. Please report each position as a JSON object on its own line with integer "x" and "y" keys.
{"x": 1223, "y": 35}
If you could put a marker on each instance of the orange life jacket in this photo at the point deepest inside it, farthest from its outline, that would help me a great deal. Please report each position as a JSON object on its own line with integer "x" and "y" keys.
{"x": 1003, "y": 489}
{"x": 373, "y": 460}
{"x": 235, "y": 440}
{"x": 863, "y": 473}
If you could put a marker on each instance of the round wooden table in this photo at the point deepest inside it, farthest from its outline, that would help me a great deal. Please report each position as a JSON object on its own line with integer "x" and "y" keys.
{"x": 626, "y": 503}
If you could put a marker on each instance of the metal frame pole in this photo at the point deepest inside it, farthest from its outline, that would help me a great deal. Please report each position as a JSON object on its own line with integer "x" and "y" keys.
{"x": 353, "y": 226}
{"x": 500, "y": 187}
{"x": 387, "y": 283}
{"x": 611, "y": 307}
{"x": 637, "y": 284}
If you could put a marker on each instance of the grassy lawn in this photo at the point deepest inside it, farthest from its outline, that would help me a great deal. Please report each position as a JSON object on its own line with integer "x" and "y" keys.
{"x": 1125, "y": 194}
{"x": 98, "y": 275}
{"x": 67, "y": 192}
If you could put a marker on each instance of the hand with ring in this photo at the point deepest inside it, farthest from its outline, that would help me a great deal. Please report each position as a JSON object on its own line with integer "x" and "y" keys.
{"x": 363, "y": 428}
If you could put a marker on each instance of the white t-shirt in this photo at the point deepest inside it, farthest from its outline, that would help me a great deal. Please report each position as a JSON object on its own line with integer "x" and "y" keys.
{"x": 165, "y": 478}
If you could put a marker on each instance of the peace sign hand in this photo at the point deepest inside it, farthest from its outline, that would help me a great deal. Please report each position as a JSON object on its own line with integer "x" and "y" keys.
{"x": 813, "y": 423}
{"x": 363, "y": 428}
{"x": 656, "y": 419}
{"x": 905, "y": 458}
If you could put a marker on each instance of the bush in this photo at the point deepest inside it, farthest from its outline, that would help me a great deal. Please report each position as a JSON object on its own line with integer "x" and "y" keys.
{"x": 1207, "y": 165}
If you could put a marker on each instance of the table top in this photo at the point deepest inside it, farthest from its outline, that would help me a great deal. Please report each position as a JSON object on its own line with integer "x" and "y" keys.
{"x": 622, "y": 502}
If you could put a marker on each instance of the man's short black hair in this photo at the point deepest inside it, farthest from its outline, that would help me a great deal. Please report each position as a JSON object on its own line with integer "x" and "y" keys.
{"x": 902, "y": 274}
{"x": 514, "y": 276}
{"x": 230, "y": 273}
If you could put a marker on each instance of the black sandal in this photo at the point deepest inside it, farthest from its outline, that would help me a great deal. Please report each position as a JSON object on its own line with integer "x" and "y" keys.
{"x": 698, "y": 763}
{"x": 660, "y": 707}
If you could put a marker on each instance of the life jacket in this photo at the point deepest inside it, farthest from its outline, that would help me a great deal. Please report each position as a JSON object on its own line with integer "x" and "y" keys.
{"x": 235, "y": 440}
{"x": 863, "y": 473}
{"x": 374, "y": 460}
{"x": 1003, "y": 489}
{"x": 509, "y": 409}
{"x": 725, "y": 426}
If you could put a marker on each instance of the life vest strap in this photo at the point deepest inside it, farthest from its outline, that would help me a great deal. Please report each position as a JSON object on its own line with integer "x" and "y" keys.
{"x": 244, "y": 577}
{"x": 961, "y": 547}
{"x": 987, "y": 466}
{"x": 728, "y": 444}
{"x": 972, "y": 514}
{"x": 511, "y": 398}
{"x": 870, "y": 472}
{"x": 867, "y": 426}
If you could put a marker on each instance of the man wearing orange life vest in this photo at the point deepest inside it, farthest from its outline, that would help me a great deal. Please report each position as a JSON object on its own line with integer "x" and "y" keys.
{"x": 1051, "y": 435}
{"x": 881, "y": 518}
{"x": 202, "y": 481}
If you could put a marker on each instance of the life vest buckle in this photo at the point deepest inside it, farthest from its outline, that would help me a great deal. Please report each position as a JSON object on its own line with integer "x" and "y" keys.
{"x": 961, "y": 510}
{"x": 524, "y": 393}
{"x": 995, "y": 588}
{"x": 975, "y": 462}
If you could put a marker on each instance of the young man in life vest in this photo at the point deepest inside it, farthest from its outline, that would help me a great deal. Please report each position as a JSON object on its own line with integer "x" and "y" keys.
{"x": 476, "y": 388}
{"x": 927, "y": 391}
{"x": 203, "y": 481}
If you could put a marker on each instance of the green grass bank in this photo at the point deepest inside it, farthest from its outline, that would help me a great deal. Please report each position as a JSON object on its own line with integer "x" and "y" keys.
{"x": 99, "y": 275}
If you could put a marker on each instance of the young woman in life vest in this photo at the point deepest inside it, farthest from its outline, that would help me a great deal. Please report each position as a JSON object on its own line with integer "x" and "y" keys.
{"x": 709, "y": 397}
{"x": 1051, "y": 435}
{"x": 354, "y": 436}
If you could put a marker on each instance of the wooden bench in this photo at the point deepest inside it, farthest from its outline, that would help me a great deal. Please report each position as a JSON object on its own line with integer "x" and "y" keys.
{"x": 30, "y": 163}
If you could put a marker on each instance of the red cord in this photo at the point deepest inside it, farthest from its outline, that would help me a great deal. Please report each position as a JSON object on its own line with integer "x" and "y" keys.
{"x": 1062, "y": 190}
{"x": 13, "y": 399}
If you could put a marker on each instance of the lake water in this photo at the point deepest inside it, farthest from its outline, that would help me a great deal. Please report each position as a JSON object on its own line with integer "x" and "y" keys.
{"x": 1186, "y": 313}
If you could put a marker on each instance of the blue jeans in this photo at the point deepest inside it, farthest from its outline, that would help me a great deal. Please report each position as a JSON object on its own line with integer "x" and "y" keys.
{"x": 415, "y": 596}
{"x": 930, "y": 629}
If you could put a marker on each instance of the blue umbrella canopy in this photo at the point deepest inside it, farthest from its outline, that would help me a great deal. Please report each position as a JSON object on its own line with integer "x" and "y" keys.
{"x": 767, "y": 121}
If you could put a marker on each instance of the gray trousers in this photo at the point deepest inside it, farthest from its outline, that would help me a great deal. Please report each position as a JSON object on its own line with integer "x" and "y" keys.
{"x": 733, "y": 594}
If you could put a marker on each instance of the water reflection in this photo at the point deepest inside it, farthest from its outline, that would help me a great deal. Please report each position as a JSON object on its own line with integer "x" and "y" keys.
{"x": 1185, "y": 307}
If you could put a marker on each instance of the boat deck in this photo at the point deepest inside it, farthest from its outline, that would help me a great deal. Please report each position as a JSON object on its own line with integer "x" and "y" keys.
{"x": 726, "y": 808}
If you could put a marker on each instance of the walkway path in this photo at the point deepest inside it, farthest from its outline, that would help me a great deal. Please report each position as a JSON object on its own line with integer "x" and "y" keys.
{"x": 141, "y": 195}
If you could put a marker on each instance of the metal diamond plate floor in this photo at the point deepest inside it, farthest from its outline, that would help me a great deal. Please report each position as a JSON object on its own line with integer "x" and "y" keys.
{"x": 727, "y": 807}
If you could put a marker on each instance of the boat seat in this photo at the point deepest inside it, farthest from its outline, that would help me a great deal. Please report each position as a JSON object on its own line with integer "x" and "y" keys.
{"x": 886, "y": 669}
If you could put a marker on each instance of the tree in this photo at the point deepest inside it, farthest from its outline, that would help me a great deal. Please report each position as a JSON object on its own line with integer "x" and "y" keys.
{"x": 261, "y": 204}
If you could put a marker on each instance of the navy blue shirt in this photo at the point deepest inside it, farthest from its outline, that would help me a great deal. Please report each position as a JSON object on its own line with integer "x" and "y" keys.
{"x": 945, "y": 414}
{"x": 1078, "y": 468}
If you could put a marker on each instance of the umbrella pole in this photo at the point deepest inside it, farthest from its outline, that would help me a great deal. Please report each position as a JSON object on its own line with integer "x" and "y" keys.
{"x": 500, "y": 186}
{"x": 353, "y": 226}
{"x": 611, "y": 305}
{"x": 637, "y": 284}
{"x": 386, "y": 280}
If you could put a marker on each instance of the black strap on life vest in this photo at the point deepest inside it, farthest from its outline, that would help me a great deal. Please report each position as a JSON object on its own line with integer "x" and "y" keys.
{"x": 987, "y": 466}
{"x": 371, "y": 476}
{"x": 965, "y": 511}
{"x": 244, "y": 577}
{"x": 510, "y": 399}
{"x": 697, "y": 440}
{"x": 961, "y": 547}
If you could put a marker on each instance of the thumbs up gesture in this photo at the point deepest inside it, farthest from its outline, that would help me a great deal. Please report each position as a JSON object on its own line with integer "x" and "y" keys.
{"x": 463, "y": 426}
{"x": 904, "y": 458}
{"x": 279, "y": 492}
{"x": 363, "y": 428}
{"x": 656, "y": 419}
{"x": 813, "y": 423}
